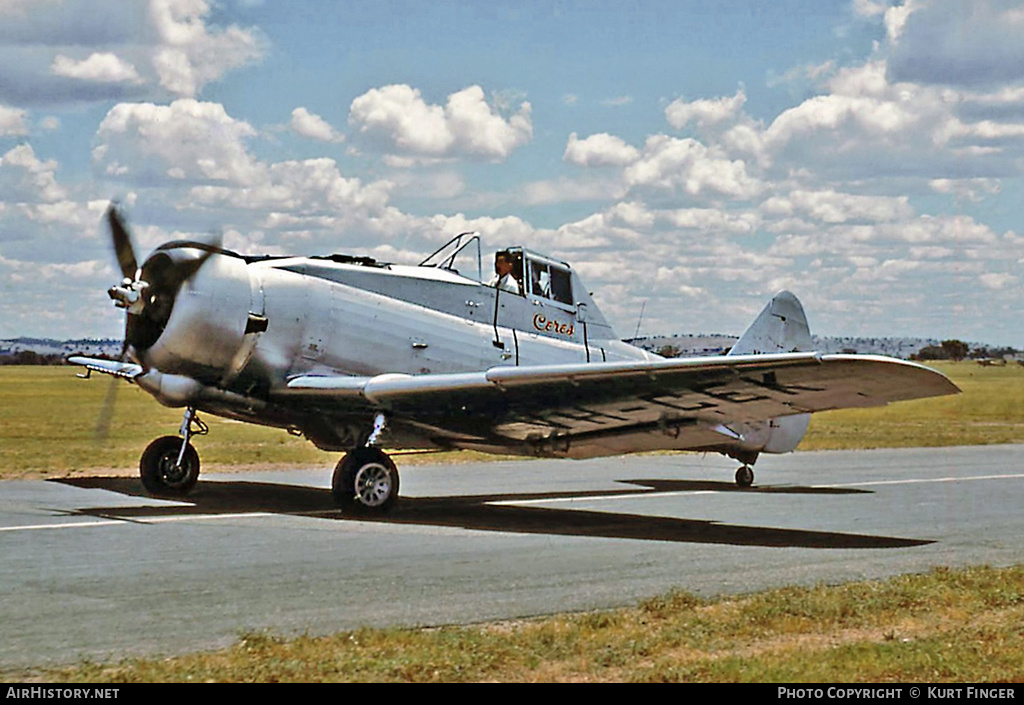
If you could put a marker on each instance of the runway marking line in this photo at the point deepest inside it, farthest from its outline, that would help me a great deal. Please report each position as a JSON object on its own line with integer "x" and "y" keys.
{"x": 694, "y": 493}
{"x": 1015, "y": 476}
{"x": 134, "y": 520}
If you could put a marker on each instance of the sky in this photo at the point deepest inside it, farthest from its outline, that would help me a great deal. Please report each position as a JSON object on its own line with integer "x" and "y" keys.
{"x": 689, "y": 159}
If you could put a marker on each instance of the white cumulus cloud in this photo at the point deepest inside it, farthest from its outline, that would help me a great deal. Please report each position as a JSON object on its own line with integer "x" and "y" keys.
{"x": 704, "y": 112}
{"x": 313, "y": 126}
{"x": 184, "y": 141}
{"x": 102, "y": 67}
{"x": 398, "y": 120}
{"x": 191, "y": 54}
{"x": 688, "y": 165}
{"x": 64, "y": 51}
{"x": 600, "y": 149}
{"x": 24, "y": 178}
{"x": 12, "y": 121}
{"x": 952, "y": 42}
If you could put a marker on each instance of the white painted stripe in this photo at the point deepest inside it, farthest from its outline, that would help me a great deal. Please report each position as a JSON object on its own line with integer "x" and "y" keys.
{"x": 604, "y": 498}
{"x": 134, "y": 520}
{"x": 202, "y": 517}
{"x": 66, "y": 525}
{"x": 640, "y": 494}
{"x": 927, "y": 480}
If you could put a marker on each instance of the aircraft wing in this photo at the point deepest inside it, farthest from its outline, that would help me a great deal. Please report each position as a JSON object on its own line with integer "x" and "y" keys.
{"x": 690, "y": 400}
{"x": 125, "y": 370}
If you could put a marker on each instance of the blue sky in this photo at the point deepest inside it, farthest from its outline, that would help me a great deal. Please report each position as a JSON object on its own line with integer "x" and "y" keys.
{"x": 696, "y": 156}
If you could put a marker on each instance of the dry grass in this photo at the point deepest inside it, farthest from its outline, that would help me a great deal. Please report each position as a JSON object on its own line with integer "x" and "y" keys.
{"x": 990, "y": 410}
{"x": 945, "y": 626}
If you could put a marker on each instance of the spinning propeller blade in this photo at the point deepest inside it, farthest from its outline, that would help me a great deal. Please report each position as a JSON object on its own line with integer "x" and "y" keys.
{"x": 102, "y": 429}
{"x": 122, "y": 243}
{"x": 128, "y": 262}
{"x": 147, "y": 293}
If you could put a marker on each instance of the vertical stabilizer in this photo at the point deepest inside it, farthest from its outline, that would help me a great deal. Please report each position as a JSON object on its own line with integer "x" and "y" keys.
{"x": 780, "y": 327}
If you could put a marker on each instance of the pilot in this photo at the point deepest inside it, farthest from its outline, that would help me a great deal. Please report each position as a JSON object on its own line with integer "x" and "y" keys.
{"x": 538, "y": 285}
{"x": 504, "y": 277}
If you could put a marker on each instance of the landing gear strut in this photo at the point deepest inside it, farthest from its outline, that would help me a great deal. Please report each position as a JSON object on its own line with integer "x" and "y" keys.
{"x": 745, "y": 476}
{"x": 170, "y": 465}
{"x": 365, "y": 478}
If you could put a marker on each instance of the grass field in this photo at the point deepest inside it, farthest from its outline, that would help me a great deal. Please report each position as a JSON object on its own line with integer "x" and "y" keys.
{"x": 990, "y": 410}
{"x": 48, "y": 419}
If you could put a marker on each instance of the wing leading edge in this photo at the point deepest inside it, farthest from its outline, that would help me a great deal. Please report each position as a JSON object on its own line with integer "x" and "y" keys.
{"x": 673, "y": 403}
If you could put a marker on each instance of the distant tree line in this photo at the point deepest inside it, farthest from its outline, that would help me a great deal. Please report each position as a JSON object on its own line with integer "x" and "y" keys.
{"x": 30, "y": 357}
{"x": 957, "y": 350}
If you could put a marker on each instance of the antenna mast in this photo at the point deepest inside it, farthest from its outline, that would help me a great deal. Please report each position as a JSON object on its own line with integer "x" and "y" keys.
{"x": 640, "y": 320}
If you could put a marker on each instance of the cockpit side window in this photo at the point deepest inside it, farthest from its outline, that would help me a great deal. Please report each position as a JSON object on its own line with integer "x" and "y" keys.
{"x": 540, "y": 280}
{"x": 550, "y": 281}
{"x": 561, "y": 288}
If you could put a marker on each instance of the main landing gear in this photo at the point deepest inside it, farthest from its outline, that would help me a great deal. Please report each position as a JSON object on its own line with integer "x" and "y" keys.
{"x": 366, "y": 479}
{"x": 170, "y": 465}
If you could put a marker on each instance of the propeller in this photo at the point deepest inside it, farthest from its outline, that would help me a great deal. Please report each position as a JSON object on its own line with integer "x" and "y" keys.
{"x": 147, "y": 293}
{"x": 122, "y": 240}
{"x": 129, "y": 265}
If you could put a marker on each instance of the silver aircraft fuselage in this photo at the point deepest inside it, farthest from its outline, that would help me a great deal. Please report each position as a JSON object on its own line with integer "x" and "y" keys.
{"x": 241, "y": 328}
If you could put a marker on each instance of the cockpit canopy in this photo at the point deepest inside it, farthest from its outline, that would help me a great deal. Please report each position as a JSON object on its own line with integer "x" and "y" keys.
{"x": 537, "y": 276}
{"x": 549, "y": 279}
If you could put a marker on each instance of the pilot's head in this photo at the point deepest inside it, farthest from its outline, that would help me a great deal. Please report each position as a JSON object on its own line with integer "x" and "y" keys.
{"x": 502, "y": 263}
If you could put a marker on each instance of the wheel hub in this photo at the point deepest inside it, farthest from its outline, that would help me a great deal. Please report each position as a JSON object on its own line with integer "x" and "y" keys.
{"x": 171, "y": 472}
{"x": 373, "y": 484}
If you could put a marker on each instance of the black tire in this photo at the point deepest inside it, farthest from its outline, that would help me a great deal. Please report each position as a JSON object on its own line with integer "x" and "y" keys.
{"x": 365, "y": 480}
{"x": 159, "y": 469}
{"x": 744, "y": 476}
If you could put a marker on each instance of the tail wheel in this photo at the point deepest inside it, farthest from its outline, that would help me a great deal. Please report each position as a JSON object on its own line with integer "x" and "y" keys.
{"x": 744, "y": 476}
{"x": 160, "y": 471}
{"x": 365, "y": 479}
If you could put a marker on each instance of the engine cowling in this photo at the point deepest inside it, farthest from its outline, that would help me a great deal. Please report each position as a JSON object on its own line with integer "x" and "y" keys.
{"x": 193, "y": 327}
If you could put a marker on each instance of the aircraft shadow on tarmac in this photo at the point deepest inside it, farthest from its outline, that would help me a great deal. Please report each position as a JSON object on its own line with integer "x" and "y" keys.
{"x": 495, "y": 513}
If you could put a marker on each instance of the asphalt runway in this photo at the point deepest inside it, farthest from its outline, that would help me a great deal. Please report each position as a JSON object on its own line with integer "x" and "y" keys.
{"x": 94, "y": 569}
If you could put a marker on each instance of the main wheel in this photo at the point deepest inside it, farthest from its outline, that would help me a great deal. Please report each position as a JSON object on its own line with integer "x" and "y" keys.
{"x": 365, "y": 479}
{"x": 745, "y": 476}
{"x": 159, "y": 469}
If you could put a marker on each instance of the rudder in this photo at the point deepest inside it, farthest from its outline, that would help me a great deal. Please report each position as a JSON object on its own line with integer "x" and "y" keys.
{"x": 780, "y": 327}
